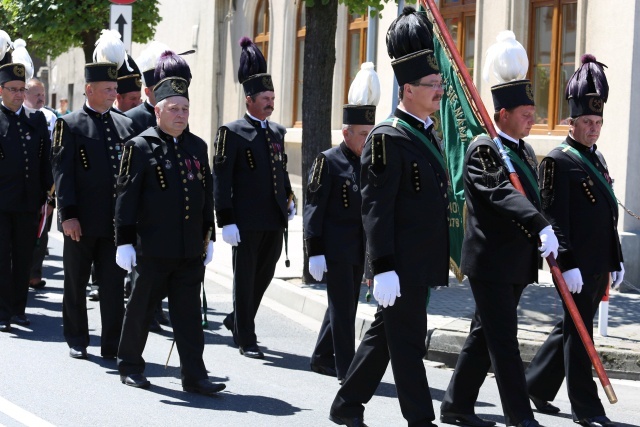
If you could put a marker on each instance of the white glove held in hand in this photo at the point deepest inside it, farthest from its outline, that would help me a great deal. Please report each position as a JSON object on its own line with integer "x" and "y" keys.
{"x": 573, "y": 278}
{"x": 617, "y": 277}
{"x": 386, "y": 287}
{"x": 209, "y": 256}
{"x": 126, "y": 257}
{"x": 317, "y": 266}
{"x": 548, "y": 242}
{"x": 291, "y": 211}
{"x": 231, "y": 234}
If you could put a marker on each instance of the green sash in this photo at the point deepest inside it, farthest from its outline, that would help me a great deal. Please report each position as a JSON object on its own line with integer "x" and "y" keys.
{"x": 437, "y": 154}
{"x": 566, "y": 148}
{"x": 527, "y": 172}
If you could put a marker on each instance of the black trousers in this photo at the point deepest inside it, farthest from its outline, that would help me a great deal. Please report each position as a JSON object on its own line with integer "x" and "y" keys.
{"x": 492, "y": 341}
{"x": 180, "y": 279}
{"x": 17, "y": 240}
{"x": 397, "y": 334}
{"x": 335, "y": 346}
{"x": 564, "y": 354}
{"x": 254, "y": 263}
{"x": 77, "y": 260}
{"x": 40, "y": 250}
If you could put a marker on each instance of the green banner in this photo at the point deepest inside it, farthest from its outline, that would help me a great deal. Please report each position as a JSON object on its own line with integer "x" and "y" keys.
{"x": 459, "y": 124}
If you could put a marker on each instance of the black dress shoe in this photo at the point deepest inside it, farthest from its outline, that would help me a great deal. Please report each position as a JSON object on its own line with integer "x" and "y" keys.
{"x": 78, "y": 352}
{"x": 5, "y": 326}
{"x": 323, "y": 370}
{"x": 599, "y": 421}
{"x": 38, "y": 284}
{"x": 528, "y": 423}
{"x": 471, "y": 420}
{"x": 205, "y": 387}
{"x": 348, "y": 421}
{"x": 20, "y": 319}
{"x": 544, "y": 406}
{"x": 135, "y": 380}
{"x": 251, "y": 351}
{"x": 228, "y": 323}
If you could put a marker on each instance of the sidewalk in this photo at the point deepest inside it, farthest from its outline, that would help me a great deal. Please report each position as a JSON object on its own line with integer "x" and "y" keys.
{"x": 450, "y": 310}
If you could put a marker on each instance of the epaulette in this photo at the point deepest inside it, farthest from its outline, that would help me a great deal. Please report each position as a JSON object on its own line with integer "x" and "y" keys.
{"x": 378, "y": 152}
{"x": 316, "y": 174}
{"x": 58, "y": 130}
{"x": 221, "y": 141}
{"x": 125, "y": 165}
{"x": 493, "y": 172}
{"x": 547, "y": 171}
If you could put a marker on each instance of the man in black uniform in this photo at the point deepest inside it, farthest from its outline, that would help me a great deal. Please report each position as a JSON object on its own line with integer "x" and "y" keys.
{"x": 578, "y": 199}
{"x": 500, "y": 249}
{"x": 404, "y": 212}
{"x": 25, "y": 178}
{"x": 333, "y": 231}
{"x": 129, "y": 87}
{"x": 87, "y": 146}
{"x": 253, "y": 196}
{"x": 165, "y": 209}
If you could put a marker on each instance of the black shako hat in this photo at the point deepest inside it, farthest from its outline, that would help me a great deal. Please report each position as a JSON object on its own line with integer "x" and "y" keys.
{"x": 364, "y": 94}
{"x": 359, "y": 114}
{"x": 414, "y": 66}
{"x": 12, "y": 71}
{"x": 100, "y": 72}
{"x": 129, "y": 81}
{"x": 252, "y": 72}
{"x": 171, "y": 86}
{"x": 512, "y": 94}
{"x": 587, "y": 89}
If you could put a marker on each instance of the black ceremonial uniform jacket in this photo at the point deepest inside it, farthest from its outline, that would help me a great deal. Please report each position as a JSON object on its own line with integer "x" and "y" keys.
{"x": 25, "y": 171}
{"x": 87, "y": 147}
{"x": 332, "y": 211}
{"x": 165, "y": 200}
{"x": 405, "y": 206}
{"x": 583, "y": 214}
{"x": 251, "y": 184}
{"x": 143, "y": 117}
{"x": 502, "y": 226}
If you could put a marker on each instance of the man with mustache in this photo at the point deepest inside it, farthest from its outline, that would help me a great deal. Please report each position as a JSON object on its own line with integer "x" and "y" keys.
{"x": 578, "y": 198}
{"x": 500, "y": 251}
{"x": 253, "y": 196}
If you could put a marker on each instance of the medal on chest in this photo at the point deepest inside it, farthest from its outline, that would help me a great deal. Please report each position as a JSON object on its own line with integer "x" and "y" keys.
{"x": 190, "y": 164}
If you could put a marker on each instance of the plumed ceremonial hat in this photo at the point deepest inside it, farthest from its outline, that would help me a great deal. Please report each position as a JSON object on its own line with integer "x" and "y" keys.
{"x": 109, "y": 56}
{"x": 21, "y": 56}
{"x": 5, "y": 47}
{"x": 129, "y": 81}
{"x": 170, "y": 64}
{"x": 410, "y": 46}
{"x": 148, "y": 60}
{"x": 508, "y": 62}
{"x": 171, "y": 86}
{"x": 252, "y": 72}
{"x": 587, "y": 89}
{"x": 364, "y": 94}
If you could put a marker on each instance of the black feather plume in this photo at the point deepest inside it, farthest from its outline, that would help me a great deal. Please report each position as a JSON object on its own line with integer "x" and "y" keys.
{"x": 410, "y": 32}
{"x": 588, "y": 79}
{"x": 252, "y": 61}
{"x": 171, "y": 64}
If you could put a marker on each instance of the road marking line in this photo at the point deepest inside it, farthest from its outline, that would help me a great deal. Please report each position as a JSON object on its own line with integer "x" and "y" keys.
{"x": 21, "y": 415}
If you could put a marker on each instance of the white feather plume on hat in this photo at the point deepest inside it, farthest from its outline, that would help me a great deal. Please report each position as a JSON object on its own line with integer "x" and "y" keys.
{"x": 21, "y": 56}
{"x": 109, "y": 48}
{"x": 5, "y": 44}
{"x": 506, "y": 58}
{"x": 148, "y": 58}
{"x": 365, "y": 89}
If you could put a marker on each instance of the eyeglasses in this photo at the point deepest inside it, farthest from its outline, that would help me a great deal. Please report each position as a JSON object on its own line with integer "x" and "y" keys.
{"x": 435, "y": 86}
{"x": 14, "y": 90}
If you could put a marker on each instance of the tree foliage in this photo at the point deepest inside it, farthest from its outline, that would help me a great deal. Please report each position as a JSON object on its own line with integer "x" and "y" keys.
{"x": 52, "y": 27}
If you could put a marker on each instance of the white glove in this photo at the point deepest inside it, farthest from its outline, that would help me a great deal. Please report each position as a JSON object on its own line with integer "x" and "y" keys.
{"x": 291, "y": 211}
{"x": 548, "y": 242}
{"x": 573, "y": 278}
{"x": 126, "y": 257}
{"x": 231, "y": 234}
{"x": 317, "y": 266}
{"x": 209, "y": 255}
{"x": 617, "y": 277}
{"x": 386, "y": 287}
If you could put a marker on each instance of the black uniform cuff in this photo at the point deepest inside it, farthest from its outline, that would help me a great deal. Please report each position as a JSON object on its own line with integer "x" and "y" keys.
{"x": 383, "y": 264}
{"x": 538, "y": 223}
{"x": 566, "y": 261}
{"x": 315, "y": 246}
{"x": 225, "y": 217}
{"x": 207, "y": 228}
{"x": 68, "y": 212}
{"x": 126, "y": 235}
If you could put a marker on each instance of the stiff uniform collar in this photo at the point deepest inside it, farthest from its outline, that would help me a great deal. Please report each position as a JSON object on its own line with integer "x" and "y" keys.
{"x": 93, "y": 112}
{"x": 263, "y": 123}
{"x": 148, "y": 106}
{"x": 347, "y": 152}
{"x": 414, "y": 121}
{"x": 9, "y": 112}
{"x": 168, "y": 138}
{"x": 514, "y": 144}
{"x": 578, "y": 146}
